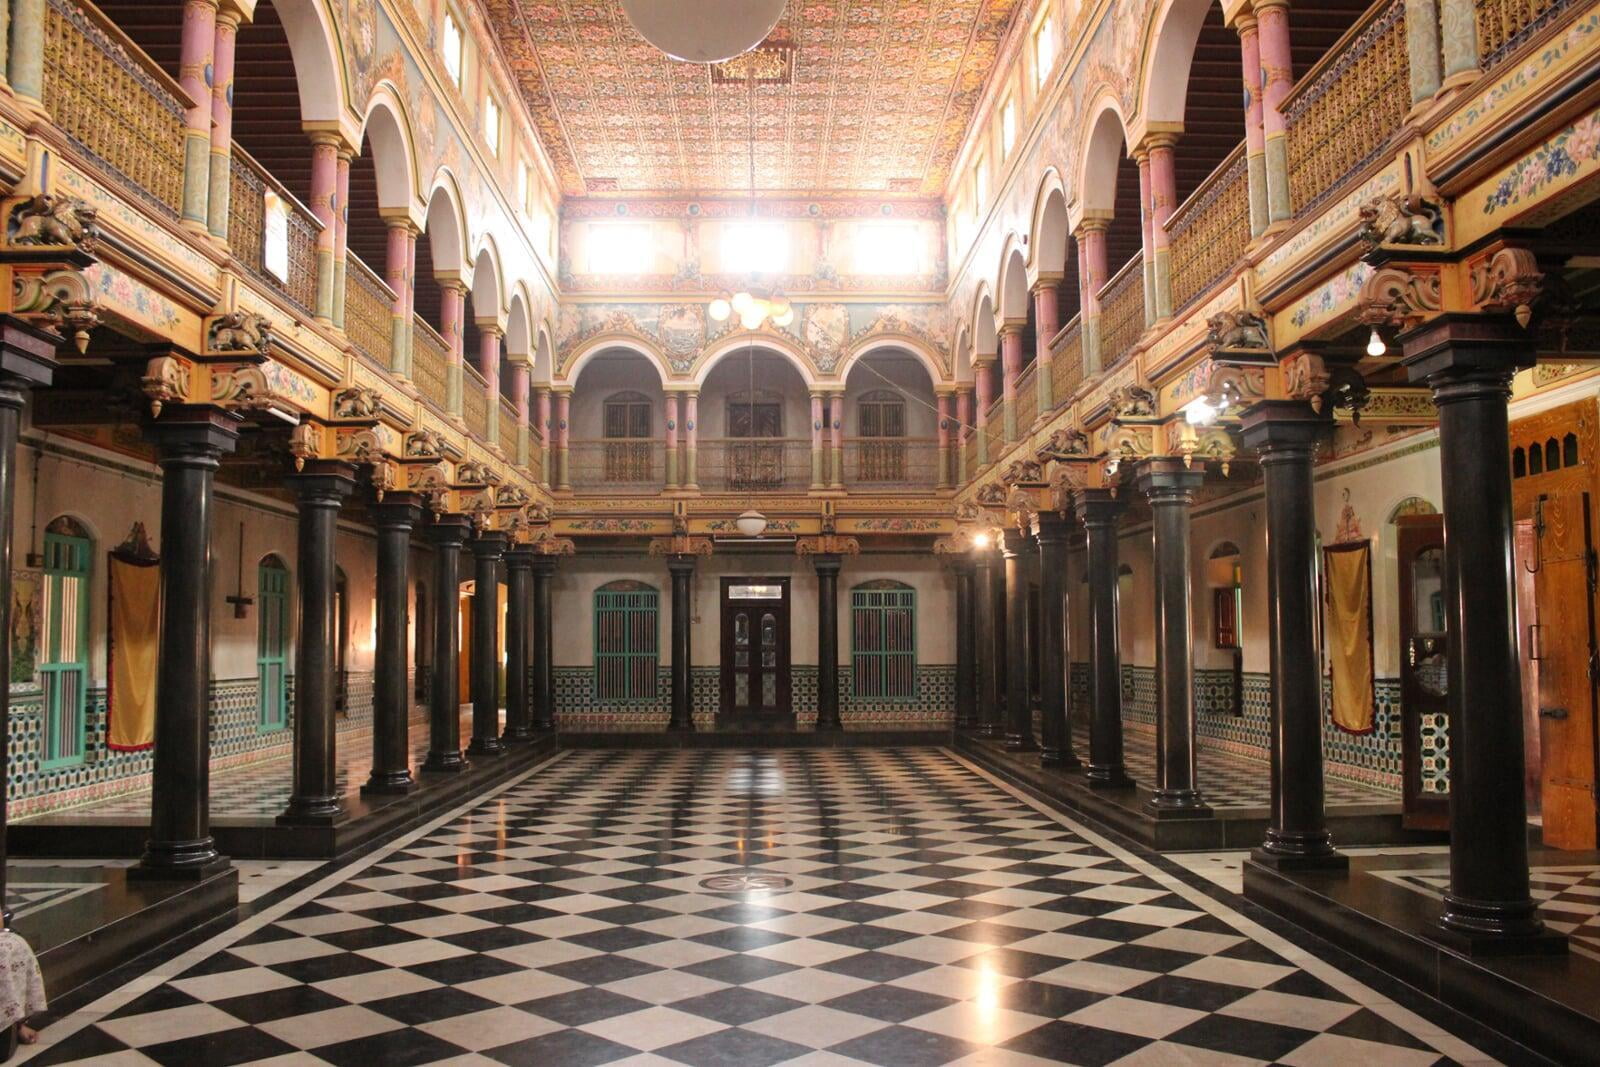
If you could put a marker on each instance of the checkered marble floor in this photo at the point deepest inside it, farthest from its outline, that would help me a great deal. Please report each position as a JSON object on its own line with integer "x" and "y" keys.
{"x": 1568, "y": 898}
{"x": 749, "y": 908}
{"x": 1228, "y": 780}
{"x": 260, "y": 790}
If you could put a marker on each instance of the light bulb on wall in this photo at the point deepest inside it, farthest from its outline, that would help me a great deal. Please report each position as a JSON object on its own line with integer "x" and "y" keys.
{"x": 1375, "y": 345}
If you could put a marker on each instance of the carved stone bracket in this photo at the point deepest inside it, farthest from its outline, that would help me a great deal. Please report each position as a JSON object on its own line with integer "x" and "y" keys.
{"x": 1069, "y": 441}
{"x": 1399, "y": 218}
{"x": 473, "y": 472}
{"x": 61, "y": 297}
{"x": 165, "y": 381}
{"x": 511, "y": 496}
{"x": 1065, "y": 480}
{"x": 1230, "y": 386}
{"x": 384, "y": 478}
{"x": 1023, "y": 472}
{"x": 1307, "y": 376}
{"x": 1239, "y": 335}
{"x": 1131, "y": 401}
{"x": 991, "y": 495}
{"x": 1396, "y": 296}
{"x": 680, "y": 544}
{"x": 1125, "y": 444}
{"x": 358, "y": 445}
{"x": 305, "y": 442}
{"x": 546, "y": 543}
{"x": 357, "y": 403}
{"x": 424, "y": 445}
{"x": 53, "y": 221}
{"x": 239, "y": 333}
{"x": 828, "y": 545}
{"x": 244, "y": 388}
{"x": 1212, "y": 443}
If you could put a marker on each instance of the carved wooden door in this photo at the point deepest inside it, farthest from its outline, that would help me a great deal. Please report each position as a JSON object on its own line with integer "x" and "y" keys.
{"x": 755, "y": 651}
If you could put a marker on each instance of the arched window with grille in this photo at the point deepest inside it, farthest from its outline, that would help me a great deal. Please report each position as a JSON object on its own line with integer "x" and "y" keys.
{"x": 880, "y": 433}
{"x": 627, "y": 425}
{"x": 272, "y": 644}
{"x": 883, "y": 640}
{"x": 626, "y": 641}
{"x": 64, "y": 640}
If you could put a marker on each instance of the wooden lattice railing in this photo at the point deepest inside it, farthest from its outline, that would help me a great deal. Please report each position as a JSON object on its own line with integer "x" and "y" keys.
{"x": 1066, "y": 365}
{"x": 247, "y": 232}
{"x": 1503, "y": 25}
{"x": 475, "y": 401}
{"x": 1122, "y": 311}
{"x": 1210, "y": 230}
{"x": 368, "y": 304}
{"x": 507, "y": 416}
{"x": 430, "y": 359}
{"x": 1027, "y": 397}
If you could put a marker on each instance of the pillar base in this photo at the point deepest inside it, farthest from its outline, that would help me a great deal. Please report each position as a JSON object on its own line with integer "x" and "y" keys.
{"x": 179, "y": 861}
{"x": 1020, "y": 743}
{"x": 681, "y": 727}
{"x": 1108, "y": 776}
{"x": 1063, "y": 757}
{"x": 445, "y": 763}
{"x": 1496, "y": 928}
{"x": 389, "y": 783}
{"x": 312, "y": 811}
{"x": 517, "y": 734}
{"x": 486, "y": 746}
{"x": 1179, "y": 804}
{"x": 1284, "y": 859}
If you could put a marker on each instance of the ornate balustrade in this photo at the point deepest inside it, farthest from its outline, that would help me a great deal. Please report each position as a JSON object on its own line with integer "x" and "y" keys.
{"x": 368, "y": 302}
{"x": 1344, "y": 111}
{"x": 969, "y": 454}
{"x": 252, "y": 243}
{"x": 1209, "y": 231}
{"x": 1027, "y": 397}
{"x": 1122, "y": 311}
{"x": 994, "y": 434}
{"x": 1504, "y": 24}
{"x": 638, "y": 464}
{"x": 475, "y": 402}
{"x": 1066, "y": 365}
{"x": 430, "y": 359}
{"x": 507, "y": 426}
{"x": 122, "y": 110}
{"x": 905, "y": 462}
{"x": 740, "y": 465}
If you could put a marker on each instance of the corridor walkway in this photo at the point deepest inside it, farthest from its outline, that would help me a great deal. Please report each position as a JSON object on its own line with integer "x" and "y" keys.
{"x": 748, "y": 908}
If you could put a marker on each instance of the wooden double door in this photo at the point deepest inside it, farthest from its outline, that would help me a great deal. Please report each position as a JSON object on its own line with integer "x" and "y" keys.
{"x": 755, "y": 690}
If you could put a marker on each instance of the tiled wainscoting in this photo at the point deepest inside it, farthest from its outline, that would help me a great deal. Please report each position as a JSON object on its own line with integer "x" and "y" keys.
{"x": 1371, "y": 759}
{"x": 933, "y": 708}
{"x": 236, "y": 738}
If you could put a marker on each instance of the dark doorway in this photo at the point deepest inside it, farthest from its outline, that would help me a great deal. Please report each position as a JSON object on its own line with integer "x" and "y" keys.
{"x": 755, "y": 653}
{"x": 1424, "y": 688}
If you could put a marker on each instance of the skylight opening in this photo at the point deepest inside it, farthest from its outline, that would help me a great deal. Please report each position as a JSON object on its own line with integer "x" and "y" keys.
{"x": 886, "y": 248}
{"x": 618, "y": 248}
{"x": 755, "y": 247}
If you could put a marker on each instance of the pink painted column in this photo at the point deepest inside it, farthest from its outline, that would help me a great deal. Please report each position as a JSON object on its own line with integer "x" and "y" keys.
{"x": 452, "y": 303}
{"x": 1091, "y": 279}
{"x": 983, "y": 373}
{"x": 1141, "y": 156}
{"x": 819, "y": 451}
{"x": 1047, "y": 317}
{"x": 964, "y": 417}
{"x": 196, "y": 58}
{"x": 1163, "y": 200}
{"x": 220, "y": 169}
{"x": 672, "y": 440}
{"x": 1277, "y": 74}
{"x": 518, "y": 386}
{"x": 541, "y": 418}
{"x": 341, "y": 231}
{"x": 944, "y": 440}
{"x": 324, "y": 190}
{"x": 1255, "y": 144}
{"x": 1011, "y": 365}
{"x": 689, "y": 465}
{"x": 489, "y": 337}
{"x": 836, "y": 421}
{"x": 563, "y": 417}
{"x": 397, "y": 274}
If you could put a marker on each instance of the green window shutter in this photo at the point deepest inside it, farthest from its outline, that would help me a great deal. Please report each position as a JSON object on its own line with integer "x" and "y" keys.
{"x": 626, "y": 651}
{"x": 64, "y": 665}
{"x": 272, "y": 698}
{"x": 883, "y": 641}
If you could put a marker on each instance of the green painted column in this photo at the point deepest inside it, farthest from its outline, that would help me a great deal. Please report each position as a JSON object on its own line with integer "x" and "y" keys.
{"x": 25, "y": 63}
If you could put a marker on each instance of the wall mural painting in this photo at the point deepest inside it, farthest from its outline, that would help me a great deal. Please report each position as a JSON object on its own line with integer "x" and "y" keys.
{"x": 26, "y": 586}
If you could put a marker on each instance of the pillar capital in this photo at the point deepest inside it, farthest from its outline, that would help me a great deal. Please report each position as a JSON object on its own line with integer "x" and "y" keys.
{"x": 397, "y": 510}
{"x": 1051, "y": 527}
{"x": 1166, "y": 480}
{"x": 323, "y": 482}
{"x": 488, "y": 544}
{"x": 1276, "y": 426}
{"x": 1046, "y": 280}
{"x": 1458, "y": 347}
{"x": 449, "y": 529}
{"x": 1097, "y": 507}
{"x": 329, "y": 135}
{"x": 1159, "y": 137}
{"x": 1012, "y": 327}
{"x": 1096, "y": 223}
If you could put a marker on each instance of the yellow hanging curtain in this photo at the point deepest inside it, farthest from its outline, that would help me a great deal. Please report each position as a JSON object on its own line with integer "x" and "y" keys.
{"x": 1349, "y": 635}
{"x": 135, "y": 617}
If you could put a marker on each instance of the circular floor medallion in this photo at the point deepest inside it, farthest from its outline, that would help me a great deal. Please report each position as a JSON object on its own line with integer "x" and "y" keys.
{"x": 744, "y": 883}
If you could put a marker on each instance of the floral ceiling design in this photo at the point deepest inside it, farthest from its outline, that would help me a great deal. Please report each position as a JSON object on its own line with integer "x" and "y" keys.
{"x": 874, "y": 97}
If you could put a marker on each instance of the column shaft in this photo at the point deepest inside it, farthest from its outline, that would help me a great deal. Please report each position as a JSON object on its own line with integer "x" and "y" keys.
{"x": 341, "y": 231}
{"x": 1163, "y": 199}
{"x": 1098, "y": 510}
{"x": 1141, "y": 156}
{"x": 1011, "y": 367}
{"x": 487, "y": 548}
{"x": 983, "y": 387}
{"x": 324, "y": 191}
{"x": 836, "y": 426}
{"x": 197, "y": 51}
{"x": 966, "y": 645}
{"x": 1056, "y": 726}
{"x": 689, "y": 464}
{"x": 397, "y": 274}
{"x": 827, "y": 568}
{"x": 221, "y": 168}
{"x": 1170, "y": 486}
{"x": 988, "y": 666}
{"x": 1019, "y": 709}
{"x": 452, "y": 306}
{"x": 544, "y": 718}
{"x": 682, "y": 571}
{"x": 519, "y": 643}
{"x": 1047, "y": 323}
{"x": 672, "y": 441}
{"x": 391, "y": 703}
{"x": 1255, "y": 143}
{"x": 563, "y": 415}
{"x": 319, "y": 491}
{"x": 944, "y": 464}
{"x": 1277, "y": 78}
{"x": 180, "y": 843}
{"x": 449, "y": 532}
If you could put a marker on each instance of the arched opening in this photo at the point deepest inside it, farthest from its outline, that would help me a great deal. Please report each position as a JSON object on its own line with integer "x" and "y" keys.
{"x": 617, "y": 424}
{"x": 891, "y": 422}
{"x": 272, "y": 643}
{"x": 754, "y": 422}
{"x": 1114, "y": 219}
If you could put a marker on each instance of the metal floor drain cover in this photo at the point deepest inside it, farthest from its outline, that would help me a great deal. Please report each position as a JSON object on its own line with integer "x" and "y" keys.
{"x": 744, "y": 883}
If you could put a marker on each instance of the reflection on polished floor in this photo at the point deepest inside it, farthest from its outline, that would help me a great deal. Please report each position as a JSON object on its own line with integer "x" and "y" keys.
{"x": 750, "y": 908}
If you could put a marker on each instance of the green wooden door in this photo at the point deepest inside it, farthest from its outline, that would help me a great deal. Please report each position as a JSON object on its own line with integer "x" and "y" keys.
{"x": 272, "y": 583}
{"x": 64, "y": 660}
{"x": 883, "y": 641}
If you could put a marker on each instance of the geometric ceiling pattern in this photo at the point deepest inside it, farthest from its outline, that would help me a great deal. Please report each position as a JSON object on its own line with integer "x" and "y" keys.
{"x": 845, "y": 97}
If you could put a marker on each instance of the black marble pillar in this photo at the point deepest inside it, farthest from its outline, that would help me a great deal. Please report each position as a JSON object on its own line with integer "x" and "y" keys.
{"x": 448, "y": 533}
{"x": 484, "y": 658}
{"x": 1019, "y": 709}
{"x": 1169, "y": 486}
{"x": 190, "y": 443}
{"x": 1051, "y": 530}
{"x": 966, "y": 644}
{"x": 989, "y": 668}
{"x": 519, "y": 643}
{"x": 1468, "y": 362}
{"x": 394, "y": 517}
{"x": 320, "y": 489}
{"x": 1098, "y": 510}
{"x": 827, "y": 567}
{"x": 27, "y": 361}
{"x": 544, "y": 702}
{"x": 682, "y": 570}
{"x": 1285, "y": 433}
